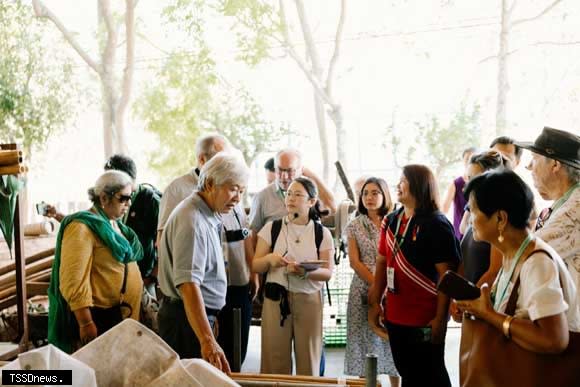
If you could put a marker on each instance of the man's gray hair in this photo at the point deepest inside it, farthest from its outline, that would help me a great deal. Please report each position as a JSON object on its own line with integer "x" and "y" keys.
{"x": 224, "y": 168}
{"x": 110, "y": 183}
{"x": 205, "y": 146}
{"x": 293, "y": 151}
{"x": 573, "y": 173}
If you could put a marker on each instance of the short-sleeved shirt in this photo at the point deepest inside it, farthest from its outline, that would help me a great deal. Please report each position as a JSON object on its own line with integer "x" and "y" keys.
{"x": 429, "y": 240}
{"x": 175, "y": 192}
{"x": 238, "y": 270}
{"x": 562, "y": 232}
{"x": 546, "y": 289}
{"x": 267, "y": 205}
{"x": 305, "y": 250}
{"x": 190, "y": 251}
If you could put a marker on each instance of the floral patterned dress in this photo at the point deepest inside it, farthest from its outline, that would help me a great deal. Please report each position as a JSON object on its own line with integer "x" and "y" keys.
{"x": 361, "y": 338}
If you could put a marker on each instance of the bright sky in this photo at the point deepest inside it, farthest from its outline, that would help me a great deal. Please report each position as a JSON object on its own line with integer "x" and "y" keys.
{"x": 401, "y": 62}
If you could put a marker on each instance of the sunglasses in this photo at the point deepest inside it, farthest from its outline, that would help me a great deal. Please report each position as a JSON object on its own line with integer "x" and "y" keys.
{"x": 123, "y": 198}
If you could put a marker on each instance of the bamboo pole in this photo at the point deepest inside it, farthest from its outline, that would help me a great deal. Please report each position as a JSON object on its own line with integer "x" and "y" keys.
{"x": 295, "y": 379}
{"x": 33, "y": 258}
{"x": 14, "y": 169}
{"x": 10, "y": 157}
{"x": 30, "y": 270}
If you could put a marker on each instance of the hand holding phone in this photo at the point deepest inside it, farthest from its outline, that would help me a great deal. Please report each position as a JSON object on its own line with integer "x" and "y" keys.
{"x": 42, "y": 208}
{"x": 457, "y": 287}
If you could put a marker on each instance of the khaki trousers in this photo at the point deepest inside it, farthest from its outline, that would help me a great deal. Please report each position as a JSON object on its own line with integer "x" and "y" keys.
{"x": 302, "y": 327}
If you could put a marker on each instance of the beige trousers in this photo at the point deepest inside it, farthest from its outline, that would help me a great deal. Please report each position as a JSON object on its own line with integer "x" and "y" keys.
{"x": 302, "y": 327}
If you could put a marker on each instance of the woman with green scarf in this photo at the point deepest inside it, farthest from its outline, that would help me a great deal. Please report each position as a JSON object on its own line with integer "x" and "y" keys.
{"x": 95, "y": 279}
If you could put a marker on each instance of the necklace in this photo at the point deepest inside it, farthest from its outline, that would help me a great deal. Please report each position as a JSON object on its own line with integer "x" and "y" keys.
{"x": 296, "y": 236}
{"x": 504, "y": 280}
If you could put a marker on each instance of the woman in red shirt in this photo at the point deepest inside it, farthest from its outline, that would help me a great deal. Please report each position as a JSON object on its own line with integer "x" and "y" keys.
{"x": 417, "y": 246}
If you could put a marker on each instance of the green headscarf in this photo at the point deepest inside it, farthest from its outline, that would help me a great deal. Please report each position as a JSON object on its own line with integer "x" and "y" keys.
{"x": 61, "y": 322}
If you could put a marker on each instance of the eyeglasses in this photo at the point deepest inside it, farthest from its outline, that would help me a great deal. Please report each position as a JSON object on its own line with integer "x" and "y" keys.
{"x": 123, "y": 198}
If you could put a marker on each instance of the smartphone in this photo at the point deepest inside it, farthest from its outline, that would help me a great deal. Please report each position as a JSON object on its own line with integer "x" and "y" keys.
{"x": 41, "y": 208}
{"x": 457, "y": 287}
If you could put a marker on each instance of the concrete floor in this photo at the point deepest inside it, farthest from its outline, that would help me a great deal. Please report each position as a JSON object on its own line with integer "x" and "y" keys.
{"x": 335, "y": 356}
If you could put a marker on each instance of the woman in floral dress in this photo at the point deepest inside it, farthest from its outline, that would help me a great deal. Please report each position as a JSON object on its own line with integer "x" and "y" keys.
{"x": 363, "y": 235}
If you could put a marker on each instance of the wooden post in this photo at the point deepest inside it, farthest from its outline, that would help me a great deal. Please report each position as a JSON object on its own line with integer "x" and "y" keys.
{"x": 20, "y": 266}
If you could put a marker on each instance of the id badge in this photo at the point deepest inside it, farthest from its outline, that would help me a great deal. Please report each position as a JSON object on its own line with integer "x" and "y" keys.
{"x": 391, "y": 279}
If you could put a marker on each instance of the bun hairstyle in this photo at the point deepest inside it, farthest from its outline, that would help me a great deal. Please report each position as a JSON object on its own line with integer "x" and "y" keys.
{"x": 109, "y": 183}
{"x": 490, "y": 159}
{"x": 315, "y": 213}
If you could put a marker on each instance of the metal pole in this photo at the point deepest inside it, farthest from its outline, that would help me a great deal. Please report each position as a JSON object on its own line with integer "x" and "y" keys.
{"x": 371, "y": 370}
{"x": 237, "y": 366}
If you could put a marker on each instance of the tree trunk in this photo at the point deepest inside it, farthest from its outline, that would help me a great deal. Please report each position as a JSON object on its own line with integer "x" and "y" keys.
{"x": 115, "y": 100}
{"x": 502, "y": 70}
{"x": 323, "y": 135}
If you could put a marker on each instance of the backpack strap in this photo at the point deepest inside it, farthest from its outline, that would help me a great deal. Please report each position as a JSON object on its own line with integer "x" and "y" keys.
{"x": 275, "y": 232}
{"x": 318, "y": 236}
{"x": 510, "y": 308}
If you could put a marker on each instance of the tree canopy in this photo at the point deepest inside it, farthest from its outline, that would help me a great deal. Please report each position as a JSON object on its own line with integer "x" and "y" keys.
{"x": 37, "y": 90}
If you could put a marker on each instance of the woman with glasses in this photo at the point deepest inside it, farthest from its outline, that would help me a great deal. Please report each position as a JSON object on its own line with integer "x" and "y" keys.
{"x": 95, "y": 281}
{"x": 417, "y": 245}
{"x": 363, "y": 236}
{"x": 296, "y": 252}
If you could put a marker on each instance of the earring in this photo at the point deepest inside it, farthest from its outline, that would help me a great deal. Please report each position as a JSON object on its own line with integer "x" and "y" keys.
{"x": 500, "y": 238}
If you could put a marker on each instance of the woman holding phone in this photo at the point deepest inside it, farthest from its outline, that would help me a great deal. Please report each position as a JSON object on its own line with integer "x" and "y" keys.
{"x": 296, "y": 252}
{"x": 417, "y": 245}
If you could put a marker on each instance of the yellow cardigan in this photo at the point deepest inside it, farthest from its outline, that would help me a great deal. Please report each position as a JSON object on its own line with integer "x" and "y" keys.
{"x": 90, "y": 276}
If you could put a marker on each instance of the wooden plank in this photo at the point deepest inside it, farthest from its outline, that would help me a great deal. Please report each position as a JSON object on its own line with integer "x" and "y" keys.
{"x": 9, "y": 280}
{"x": 37, "y": 288}
{"x": 33, "y": 258}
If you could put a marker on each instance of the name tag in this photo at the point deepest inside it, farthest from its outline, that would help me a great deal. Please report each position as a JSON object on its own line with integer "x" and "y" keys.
{"x": 391, "y": 279}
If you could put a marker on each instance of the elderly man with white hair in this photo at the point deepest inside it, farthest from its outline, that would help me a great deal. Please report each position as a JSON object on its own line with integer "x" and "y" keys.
{"x": 555, "y": 168}
{"x": 205, "y": 148}
{"x": 192, "y": 273}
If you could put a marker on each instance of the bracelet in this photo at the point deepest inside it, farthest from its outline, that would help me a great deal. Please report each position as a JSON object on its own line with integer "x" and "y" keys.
{"x": 507, "y": 322}
{"x": 86, "y": 324}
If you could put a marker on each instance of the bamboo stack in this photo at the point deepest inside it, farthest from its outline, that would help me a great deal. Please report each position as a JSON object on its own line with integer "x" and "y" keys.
{"x": 273, "y": 380}
{"x": 11, "y": 162}
{"x": 38, "y": 269}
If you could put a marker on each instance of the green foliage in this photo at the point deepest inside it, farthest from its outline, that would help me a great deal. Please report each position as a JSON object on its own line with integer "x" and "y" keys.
{"x": 173, "y": 106}
{"x": 441, "y": 144}
{"x": 257, "y": 26}
{"x": 446, "y": 142}
{"x": 238, "y": 117}
{"x": 185, "y": 99}
{"x": 36, "y": 87}
{"x": 256, "y": 23}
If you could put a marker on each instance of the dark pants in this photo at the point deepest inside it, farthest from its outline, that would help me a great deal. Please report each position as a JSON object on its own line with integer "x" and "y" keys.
{"x": 419, "y": 362}
{"x": 176, "y": 331}
{"x": 236, "y": 297}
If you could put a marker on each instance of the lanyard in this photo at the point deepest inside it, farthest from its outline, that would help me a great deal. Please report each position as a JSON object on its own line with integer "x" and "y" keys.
{"x": 560, "y": 202}
{"x": 399, "y": 242}
{"x": 497, "y": 302}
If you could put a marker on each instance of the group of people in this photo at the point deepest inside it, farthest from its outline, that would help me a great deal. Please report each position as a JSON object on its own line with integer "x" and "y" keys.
{"x": 209, "y": 258}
